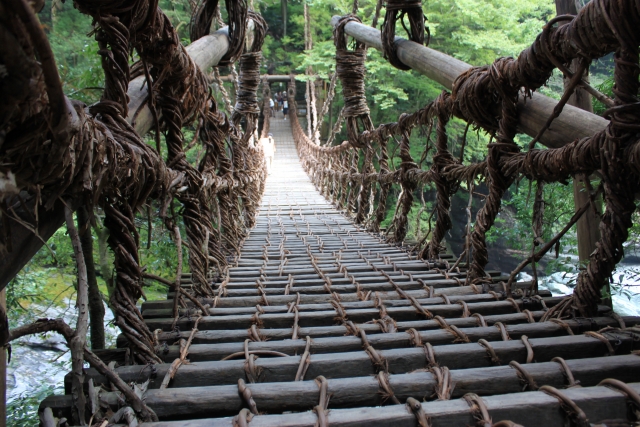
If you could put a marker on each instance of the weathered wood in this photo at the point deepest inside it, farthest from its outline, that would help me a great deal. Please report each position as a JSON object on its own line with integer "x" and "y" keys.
{"x": 385, "y": 341}
{"x": 280, "y": 299}
{"x": 240, "y": 335}
{"x": 454, "y": 294}
{"x": 320, "y": 288}
{"x": 121, "y": 356}
{"x": 371, "y": 280}
{"x": 305, "y": 270}
{"x": 219, "y": 311}
{"x": 358, "y": 363}
{"x": 572, "y": 124}
{"x": 196, "y": 402}
{"x": 327, "y": 318}
{"x": 599, "y": 404}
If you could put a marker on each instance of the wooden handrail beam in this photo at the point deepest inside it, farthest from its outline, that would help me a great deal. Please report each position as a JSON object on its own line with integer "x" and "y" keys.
{"x": 572, "y": 124}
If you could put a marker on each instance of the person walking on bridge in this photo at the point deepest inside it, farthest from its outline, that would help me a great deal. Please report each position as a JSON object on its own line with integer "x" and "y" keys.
{"x": 269, "y": 147}
{"x": 271, "y": 108}
{"x": 285, "y": 108}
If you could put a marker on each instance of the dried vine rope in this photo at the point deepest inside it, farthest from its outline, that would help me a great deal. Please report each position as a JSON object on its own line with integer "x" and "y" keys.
{"x": 396, "y": 11}
{"x": 350, "y": 69}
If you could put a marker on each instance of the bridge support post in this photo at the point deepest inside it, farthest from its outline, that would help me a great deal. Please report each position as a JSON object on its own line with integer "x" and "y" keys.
{"x": 588, "y": 225}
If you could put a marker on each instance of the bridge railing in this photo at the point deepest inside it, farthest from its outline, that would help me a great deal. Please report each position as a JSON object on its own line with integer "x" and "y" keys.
{"x": 62, "y": 155}
{"x": 357, "y": 175}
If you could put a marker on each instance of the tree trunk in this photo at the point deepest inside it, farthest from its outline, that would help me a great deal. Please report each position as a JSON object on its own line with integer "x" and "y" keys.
{"x": 79, "y": 337}
{"x": 96, "y": 307}
{"x": 588, "y": 225}
{"x": 283, "y": 5}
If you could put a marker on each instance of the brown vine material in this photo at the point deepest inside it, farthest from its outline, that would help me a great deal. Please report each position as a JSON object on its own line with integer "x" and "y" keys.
{"x": 351, "y": 71}
{"x": 396, "y": 11}
{"x": 444, "y": 187}
{"x": 202, "y": 20}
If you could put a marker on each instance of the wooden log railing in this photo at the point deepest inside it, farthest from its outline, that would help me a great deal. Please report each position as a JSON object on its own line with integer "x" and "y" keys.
{"x": 573, "y": 123}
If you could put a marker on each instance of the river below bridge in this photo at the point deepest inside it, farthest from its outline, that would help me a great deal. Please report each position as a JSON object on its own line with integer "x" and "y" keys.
{"x": 40, "y": 362}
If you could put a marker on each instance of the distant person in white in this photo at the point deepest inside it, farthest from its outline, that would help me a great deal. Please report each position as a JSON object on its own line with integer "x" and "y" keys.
{"x": 269, "y": 147}
{"x": 285, "y": 108}
{"x": 271, "y": 105}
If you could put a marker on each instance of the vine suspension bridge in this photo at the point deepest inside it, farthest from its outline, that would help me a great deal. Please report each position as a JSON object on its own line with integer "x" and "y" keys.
{"x": 299, "y": 309}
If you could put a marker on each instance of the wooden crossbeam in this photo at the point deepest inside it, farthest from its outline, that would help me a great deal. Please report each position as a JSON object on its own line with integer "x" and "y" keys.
{"x": 572, "y": 124}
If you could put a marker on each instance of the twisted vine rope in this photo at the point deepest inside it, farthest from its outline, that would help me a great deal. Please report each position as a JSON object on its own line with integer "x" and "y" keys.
{"x": 396, "y": 11}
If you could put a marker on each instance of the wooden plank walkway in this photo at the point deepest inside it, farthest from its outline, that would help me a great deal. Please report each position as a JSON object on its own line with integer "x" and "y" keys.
{"x": 316, "y": 307}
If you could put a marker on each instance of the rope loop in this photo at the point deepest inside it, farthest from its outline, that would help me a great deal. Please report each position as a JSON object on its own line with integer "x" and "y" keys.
{"x": 478, "y": 409}
{"x": 305, "y": 361}
{"x": 633, "y": 398}
{"x": 252, "y": 371}
{"x": 430, "y": 355}
{"x": 480, "y": 320}
{"x": 566, "y": 371}
{"x": 524, "y": 376}
{"x": 245, "y": 392}
{"x": 444, "y": 384}
{"x": 385, "y": 386}
{"x": 503, "y": 331}
{"x": 396, "y": 11}
{"x": 573, "y": 411}
{"x": 243, "y": 418}
{"x": 414, "y": 337}
{"x": 604, "y": 339}
{"x": 416, "y": 409}
{"x": 529, "y": 347}
{"x": 492, "y": 354}
{"x": 321, "y": 410}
